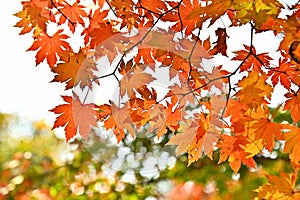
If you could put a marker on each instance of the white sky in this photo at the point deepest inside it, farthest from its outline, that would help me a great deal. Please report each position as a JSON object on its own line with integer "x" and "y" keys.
{"x": 25, "y": 89}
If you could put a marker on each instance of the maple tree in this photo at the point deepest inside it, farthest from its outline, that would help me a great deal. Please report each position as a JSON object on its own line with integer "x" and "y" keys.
{"x": 209, "y": 109}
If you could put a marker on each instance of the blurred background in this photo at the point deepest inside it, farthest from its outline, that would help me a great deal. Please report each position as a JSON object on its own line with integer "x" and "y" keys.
{"x": 38, "y": 165}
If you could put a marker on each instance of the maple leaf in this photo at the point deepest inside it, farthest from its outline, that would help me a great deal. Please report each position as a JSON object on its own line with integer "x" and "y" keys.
{"x": 173, "y": 117}
{"x": 254, "y": 89}
{"x": 293, "y": 104}
{"x": 291, "y": 28}
{"x": 145, "y": 56}
{"x": 157, "y": 119}
{"x": 154, "y": 6}
{"x": 73, "y": 13}
{"x": 283, "y": 73}
{"x": 278, "y": 187}
{"x": 184, "y": 93}
{"x": 261, "y": 127}
{"x": 120, "y": 121}
{"x": 133, "y": 80}
{"x": 49, "y": 47}
{"x": 195, "y": 137}
{"x": 99, "y": 35}
{"x": 204, "y": 142}
{"x": 232, "y": 149}
{"x": 183, "y": 139}
{"x": 235, "y": 109}
{"x": 257, "y": 11}
{"x": 251, "y": 60}
{"x": 292, "y": 137}
{"x": 188, "y": 19}
{"x": 31, "y": 18}
{"x": 75, "y": 117}
{"x": 214, "y": 10}
{"x": 77, "y": 68}
{"x": 97, "y": 18}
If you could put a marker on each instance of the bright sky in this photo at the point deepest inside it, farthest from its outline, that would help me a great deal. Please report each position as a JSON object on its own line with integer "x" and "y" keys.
{"x": 25, "y": 89}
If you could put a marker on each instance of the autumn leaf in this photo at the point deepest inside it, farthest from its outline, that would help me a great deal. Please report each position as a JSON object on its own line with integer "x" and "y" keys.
{"x": 155, "y": 6}
{"x": 283, "y": 73}
{"x": 133, "y": 80}
{"x": 254, "y": 89}
{"x": 76, "y": 69}
{"x": 293, "y": 104}
{"x": 261, "y": 127}
{"x": 251, "y": 60}
{"x": 257, "y": 11}
{"x": 75, "y": 116}
{"x": 235, "y": 109}
{"x": 292, "y": 137}
{"x": 183, "y": 94}
{"x": 173, "y": 117}
{"x": 196, "y": 137}
{"x": 183, "y": 139}
{"x": 31, "y": 18}
{"x": 73, "y": 14}
{"x": 99, "y": 35}
{"x": 50, "y": 47}
{"x": 278, "y": 187}
{"x": 189, "y": 18}
{"x": 231, "y": 148}
{"x": 120, "y": 121}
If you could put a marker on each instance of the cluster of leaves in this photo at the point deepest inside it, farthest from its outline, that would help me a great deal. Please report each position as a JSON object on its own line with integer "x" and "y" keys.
{"x": 204, "y": 107}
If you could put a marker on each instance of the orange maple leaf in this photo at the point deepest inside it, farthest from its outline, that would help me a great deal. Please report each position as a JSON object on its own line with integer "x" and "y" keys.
{"x": 235, "y": 109}
{"x": 157, "y": 6}
{"x": 120, "y": 121}
{"x": 31, "y": 18}
{"x": 99, "y": 35}
{"x": 283, "y": 73}
{"x": 251, "y": 60}
{"x": 188, "y": 19}
{"x": 254, "y": 89}
{"x": 232, "y": 148}
{"x": 261, "y": 127}
{"x": 293, "y": 104}
{"x": 49, "y": 47}
{"x": 279, "y": 187}
{"x": 77, "y": 68}
{"x": 183, "y": 139}
{"x": 291, "y": 146}
{"x": 73, "y": 13}
{"x": 75, "y": 117}
{"x": 133, "y": 79}
{"x": 195, "y": 137}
